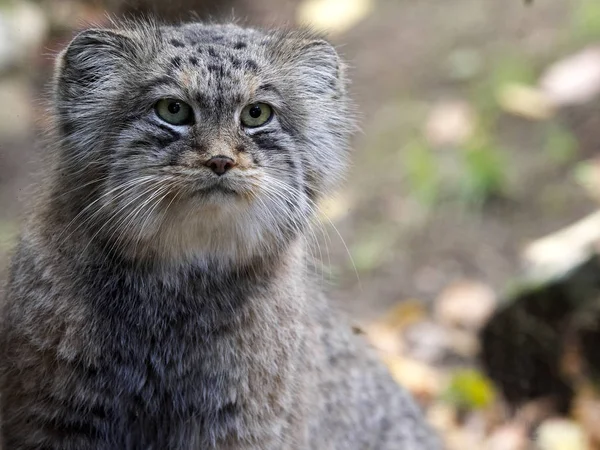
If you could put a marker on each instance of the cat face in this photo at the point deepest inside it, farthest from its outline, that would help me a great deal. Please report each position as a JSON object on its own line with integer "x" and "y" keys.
{"x": 201, "y": 140}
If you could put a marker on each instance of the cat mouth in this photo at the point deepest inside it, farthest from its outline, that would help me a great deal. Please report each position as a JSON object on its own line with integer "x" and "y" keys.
{"x": 217, "y": 189}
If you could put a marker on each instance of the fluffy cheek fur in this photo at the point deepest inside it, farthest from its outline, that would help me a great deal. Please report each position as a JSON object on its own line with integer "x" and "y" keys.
{"x": 151, "y": 207}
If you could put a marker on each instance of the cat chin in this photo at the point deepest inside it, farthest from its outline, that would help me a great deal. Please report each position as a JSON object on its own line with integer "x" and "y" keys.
{"x": 219, "y": 227}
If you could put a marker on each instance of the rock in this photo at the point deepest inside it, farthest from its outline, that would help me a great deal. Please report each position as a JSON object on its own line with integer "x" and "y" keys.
{"x": 574, "y": 80}
{"x": 465, "y": 304}
{"x": 555, "y": 255}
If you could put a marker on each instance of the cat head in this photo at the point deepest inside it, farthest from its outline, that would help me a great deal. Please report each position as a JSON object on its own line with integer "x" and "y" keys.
{"x": 209, "y": 140}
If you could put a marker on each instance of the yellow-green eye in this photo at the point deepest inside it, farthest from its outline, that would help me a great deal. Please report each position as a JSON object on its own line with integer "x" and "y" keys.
{"x": 256, "y": 114}
{"x": 174, "y": 111}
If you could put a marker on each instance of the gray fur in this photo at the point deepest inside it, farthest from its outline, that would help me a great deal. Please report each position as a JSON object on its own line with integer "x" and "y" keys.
{"x": 147, "y": 310}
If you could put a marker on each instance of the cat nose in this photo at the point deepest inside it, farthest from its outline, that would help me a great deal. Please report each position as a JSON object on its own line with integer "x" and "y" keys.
{"x": 220, "y": 164}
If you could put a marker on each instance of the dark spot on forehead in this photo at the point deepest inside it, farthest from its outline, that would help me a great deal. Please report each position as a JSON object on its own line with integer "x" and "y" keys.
{"x": 212, "y": 52}
{"x": 177, "y": 43}
{"x": 200, "y": 50}
{"x": 240, "y": 45}
{"x": 218, "y": 70}
{"x": 193, "y": 60}
{"x": 251, "y": 65}
{"x": 176, "y": 62}
{"x": 236, "y": 63}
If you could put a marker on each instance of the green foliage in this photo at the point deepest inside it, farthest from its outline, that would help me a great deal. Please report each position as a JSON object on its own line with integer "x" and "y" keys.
{"x": 370, "y": 251}
{"x": 469, "y": 389}
{"x": 512, "y": 68}
{"x": 586, "y": 20}
{"x": 484, "y": 169}
{"x": 585, "y": 174}
{"x": 506, "y": 69}
{"x": 484, "y": 165}
{"x": 422, "y": 170}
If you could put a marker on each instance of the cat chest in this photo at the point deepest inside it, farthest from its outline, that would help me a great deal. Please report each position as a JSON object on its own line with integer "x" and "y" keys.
{"x": 155, "y": 391}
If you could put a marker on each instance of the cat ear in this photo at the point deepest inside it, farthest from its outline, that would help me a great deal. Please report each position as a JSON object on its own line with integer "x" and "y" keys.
{"x": 90, "y": 60}
{"x": 320, "y": 67}
{"x": 319, "y": 60}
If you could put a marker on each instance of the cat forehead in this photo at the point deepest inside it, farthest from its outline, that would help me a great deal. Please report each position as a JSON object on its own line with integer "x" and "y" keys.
{"x": 197, "y": 55}
{"x": 227, "y": 35}
{"x": 214, "y": 41}
{"x": 213, "y": 60}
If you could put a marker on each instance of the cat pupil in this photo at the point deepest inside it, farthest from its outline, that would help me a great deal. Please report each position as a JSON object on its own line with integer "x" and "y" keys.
{"x": 255, "y": 112}
{"x": 174, "y": 107}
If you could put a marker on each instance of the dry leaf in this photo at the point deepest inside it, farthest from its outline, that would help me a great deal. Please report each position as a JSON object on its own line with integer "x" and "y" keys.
{"x": 466, "y": 304}
{"x": 385, "y": 339}
{"x": 385, "y": 334}
{"x": 405, "y": 313}
{"x": 422, "y": 381}
{"x": 561, "y": 434}
{"x": 525, "y": 101}
{"x": 442, "y": 417}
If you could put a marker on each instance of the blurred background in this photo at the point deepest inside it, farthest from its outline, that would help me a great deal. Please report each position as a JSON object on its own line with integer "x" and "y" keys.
{"x": 464, "y": 242}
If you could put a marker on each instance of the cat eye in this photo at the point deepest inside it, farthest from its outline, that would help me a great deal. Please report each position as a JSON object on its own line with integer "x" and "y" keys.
{"x": 174, "y": 111}
{"x": 256, "y": 115}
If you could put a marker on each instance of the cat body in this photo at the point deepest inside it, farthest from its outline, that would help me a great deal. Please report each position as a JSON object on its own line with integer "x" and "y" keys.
{"x": 159, "y": 296}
